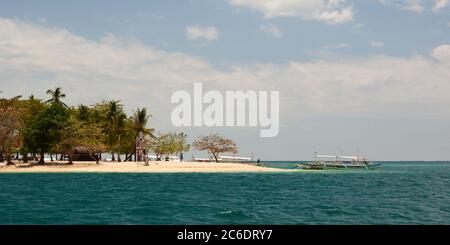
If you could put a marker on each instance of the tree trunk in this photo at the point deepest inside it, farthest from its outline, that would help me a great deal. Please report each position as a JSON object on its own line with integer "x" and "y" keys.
{"x": 8, "y": 160}
{"x": 118, "y": 158}
{"x": 113, "y": 157}
{"x": 129, "y": 157}
{"x": 51, "y": 157}
{"x": 215, "y": 157}
{"x": 25, "y": 157}
{"x": 70, "y": 159}
{"x": 94, "y": 156}
{"x": 2, "y": 159}
{"x": 41, "y": 160}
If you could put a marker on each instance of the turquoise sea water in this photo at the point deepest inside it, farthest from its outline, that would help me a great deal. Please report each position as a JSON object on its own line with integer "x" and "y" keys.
{"x": 396, "y": 193}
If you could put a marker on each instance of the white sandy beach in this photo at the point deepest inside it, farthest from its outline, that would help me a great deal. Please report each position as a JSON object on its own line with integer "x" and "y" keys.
{"x": 133, "y": 167}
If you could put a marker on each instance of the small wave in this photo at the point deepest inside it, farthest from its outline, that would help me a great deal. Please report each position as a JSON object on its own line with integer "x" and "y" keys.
{"x": 231, "y": 214}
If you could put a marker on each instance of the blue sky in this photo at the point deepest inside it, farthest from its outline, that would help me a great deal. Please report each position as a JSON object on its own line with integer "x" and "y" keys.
{"x": 162, "y": 24}
{"x": 340, "y": 65}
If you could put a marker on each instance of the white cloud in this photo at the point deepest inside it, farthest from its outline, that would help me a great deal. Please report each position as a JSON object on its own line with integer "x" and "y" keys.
{"x": 335, "y": 46}
{"x": 329, "y": 50}
{"x": 410, "y": 5}
{"x": 442, "y": 53}
{"x": 417, "y": 6}
{"x": 207, "y": 33}
{"x": 439, "y": 4}
{"x": 414, "y": 6}
{"x": 330, "y": 11}
{"x": 34, "y": 58}
{"x": 272, "y": 29}
{"x": 376, "y": 44}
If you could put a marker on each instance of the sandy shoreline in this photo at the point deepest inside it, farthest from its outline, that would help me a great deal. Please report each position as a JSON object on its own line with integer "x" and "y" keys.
{"x": 133, "y": 167}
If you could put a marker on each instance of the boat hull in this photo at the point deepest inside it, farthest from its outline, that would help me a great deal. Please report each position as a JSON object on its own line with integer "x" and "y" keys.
{"x": 331, "y": 166}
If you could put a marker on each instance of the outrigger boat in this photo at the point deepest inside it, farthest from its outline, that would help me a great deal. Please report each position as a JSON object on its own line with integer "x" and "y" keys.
{"x": 229, "y": 159}
{"x": 337, "y": 162}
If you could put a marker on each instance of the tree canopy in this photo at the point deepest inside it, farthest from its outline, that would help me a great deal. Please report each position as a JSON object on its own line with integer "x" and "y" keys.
{"x": 38, "y": 127}
{"x": 168, "y": 143}
{"x": 10, "y": 124}
{"x": 50, "y": 127}
{"x": 46, "y": 130}
{"x": 81, "y": 136}
{"x": 56, "y": 96}
{"x": 215, "y": 145}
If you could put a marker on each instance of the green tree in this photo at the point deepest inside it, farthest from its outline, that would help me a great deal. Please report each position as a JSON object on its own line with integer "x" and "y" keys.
{"x": 180, "y": 142}
{"x": 82, "y": 137}
{"x": 56, "y": 96}
{"x": 127, "y": 141}
{"x": 215, "y": 145}
{"x": 32, "y": 108}
{"x": 140, "y": 119}
{"x": 9, "y": 128}
{"x": 83, "y": 113}
{"x": 167, "y": 143}
{"x": 139, "y": 122}
{"x": 115, "y": 127}
{"x": 46, "y": 129}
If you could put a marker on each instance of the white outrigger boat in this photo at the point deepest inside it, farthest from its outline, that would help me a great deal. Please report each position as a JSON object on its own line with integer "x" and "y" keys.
{"x": 337, "y": 162}
{"x": 229, "y": 159}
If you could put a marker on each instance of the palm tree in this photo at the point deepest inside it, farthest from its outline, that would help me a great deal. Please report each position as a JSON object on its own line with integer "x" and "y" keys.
{"x": 116, "y": 125}
{"x": 83, "y": 112}
{"x": 140, "y": 119}
{"x": 56, "y": 96}
{"x": 139, "y": 126}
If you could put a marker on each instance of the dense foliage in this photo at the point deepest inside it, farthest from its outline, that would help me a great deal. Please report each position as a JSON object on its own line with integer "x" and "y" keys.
{"x": 32, "y": 128}
{"x": 168, "y": 143}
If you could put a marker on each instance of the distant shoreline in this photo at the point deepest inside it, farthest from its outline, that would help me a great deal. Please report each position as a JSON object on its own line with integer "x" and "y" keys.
{"x": 134, "y": 167}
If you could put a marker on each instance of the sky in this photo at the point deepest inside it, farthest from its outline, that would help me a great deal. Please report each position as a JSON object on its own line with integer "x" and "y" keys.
{"x": 358, "y": 77}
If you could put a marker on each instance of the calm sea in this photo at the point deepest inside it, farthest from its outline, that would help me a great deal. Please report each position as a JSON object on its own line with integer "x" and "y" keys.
{"x": 395, "y": 193}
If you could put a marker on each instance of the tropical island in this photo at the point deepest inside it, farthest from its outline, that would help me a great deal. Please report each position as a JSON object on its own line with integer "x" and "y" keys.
{"x": 50, "y": 136}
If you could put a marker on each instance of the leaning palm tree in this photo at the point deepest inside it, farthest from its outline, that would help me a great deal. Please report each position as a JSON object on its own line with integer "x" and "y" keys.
{"x": 56, "y": 96}
{"x": 139, "y": 126}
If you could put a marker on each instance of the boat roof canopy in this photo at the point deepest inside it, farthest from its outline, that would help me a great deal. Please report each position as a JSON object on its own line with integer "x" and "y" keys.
{"x": 235, "y": 158}
{"x": 348, "y": 157}
{"x": 343, "y": 157}
{"x": 326, "y": 156}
